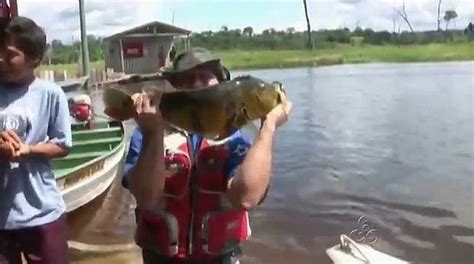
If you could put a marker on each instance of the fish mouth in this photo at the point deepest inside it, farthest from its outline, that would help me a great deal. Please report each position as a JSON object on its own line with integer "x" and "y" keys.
{"x": 279, "y": 86}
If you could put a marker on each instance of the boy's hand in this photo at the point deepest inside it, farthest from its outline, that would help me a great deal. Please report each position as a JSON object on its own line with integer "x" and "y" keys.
{"x": 11, "y": 137}
{"x": 24, "y": 150}
{"x": 7, "y": 151}
{"x": 12, "y": 147}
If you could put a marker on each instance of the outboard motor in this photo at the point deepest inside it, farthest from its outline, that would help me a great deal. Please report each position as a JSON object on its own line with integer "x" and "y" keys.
{"x": 80, "y": 108}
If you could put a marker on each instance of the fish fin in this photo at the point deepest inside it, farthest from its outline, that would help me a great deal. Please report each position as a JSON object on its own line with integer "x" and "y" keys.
{"x": 251, "y": 130}
{"x": 229, "y": 132}
{"x": 232, "y": 124}
{"x": 117, "y": 113}
{"x": 241, "y": 118}
{"x": 196, "y": 122}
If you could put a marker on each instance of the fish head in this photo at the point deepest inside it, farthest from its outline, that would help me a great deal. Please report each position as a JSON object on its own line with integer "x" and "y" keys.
{"x": 260, "y": 97}
{"x": 118, "y": 104}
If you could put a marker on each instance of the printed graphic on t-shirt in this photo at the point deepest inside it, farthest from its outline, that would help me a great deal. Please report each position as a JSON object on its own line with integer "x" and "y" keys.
{"x": 18, "y": 121}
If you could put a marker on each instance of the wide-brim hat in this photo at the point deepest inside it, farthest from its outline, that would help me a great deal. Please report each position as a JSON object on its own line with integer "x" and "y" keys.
{"x": 196, "y": 58}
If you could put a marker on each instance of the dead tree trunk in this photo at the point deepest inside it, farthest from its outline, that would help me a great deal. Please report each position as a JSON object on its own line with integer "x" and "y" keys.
{"x": 404, "y": 15}
{"x": 309, "y": 44}
{"x": 439, "y": 15}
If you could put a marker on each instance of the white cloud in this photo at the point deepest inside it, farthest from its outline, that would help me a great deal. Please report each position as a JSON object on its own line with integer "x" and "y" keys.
{"x": 60, "y": 18}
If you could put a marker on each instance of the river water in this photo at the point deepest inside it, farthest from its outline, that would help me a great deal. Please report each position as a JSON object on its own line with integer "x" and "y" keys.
{"x": 391, "y": 143}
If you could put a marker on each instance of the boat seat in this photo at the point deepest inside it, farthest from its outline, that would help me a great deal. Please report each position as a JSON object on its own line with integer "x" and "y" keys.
{"x": 97, "y": 141}
{"x": 101, "y": 133}
{"x": 70, "y": 163}
{"x": 95, "y": 131}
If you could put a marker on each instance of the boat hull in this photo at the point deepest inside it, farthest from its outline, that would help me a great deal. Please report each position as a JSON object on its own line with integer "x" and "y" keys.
{"x": 88, "y": 189}
{"x": 94, "y": 162}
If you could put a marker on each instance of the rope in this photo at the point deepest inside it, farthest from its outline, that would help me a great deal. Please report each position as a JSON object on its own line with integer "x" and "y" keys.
{"x": 100, "y": 248}
{"x": 345, "y": 241}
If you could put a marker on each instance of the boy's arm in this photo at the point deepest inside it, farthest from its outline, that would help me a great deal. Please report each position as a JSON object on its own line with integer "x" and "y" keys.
{"x": 59, "y": 130}
{"x": 48, "y": 150}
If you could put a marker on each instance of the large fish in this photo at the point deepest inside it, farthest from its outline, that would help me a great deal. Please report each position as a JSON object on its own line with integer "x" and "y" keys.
{"x": 214, "y": 112}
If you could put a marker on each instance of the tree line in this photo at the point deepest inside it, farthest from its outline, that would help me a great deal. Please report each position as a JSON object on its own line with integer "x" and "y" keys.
{"x": 272, "y": 39}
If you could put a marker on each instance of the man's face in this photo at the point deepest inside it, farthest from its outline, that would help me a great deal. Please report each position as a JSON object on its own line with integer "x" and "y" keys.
{"x": 14, "y": 65}
{"x": 194, "y": 78}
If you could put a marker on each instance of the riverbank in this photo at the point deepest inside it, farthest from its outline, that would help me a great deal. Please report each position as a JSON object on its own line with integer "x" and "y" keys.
{"x": 340, "y": 54}
{"x": 344, "y": 54}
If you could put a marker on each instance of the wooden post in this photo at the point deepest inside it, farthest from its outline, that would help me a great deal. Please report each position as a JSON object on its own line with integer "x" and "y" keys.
{"x": 121, "y": 56}
{"x": 85, "y": 48}
{"x": 94, "y": 77}
{"x": 65, "y": 75}
{"x": 13, "y": 8}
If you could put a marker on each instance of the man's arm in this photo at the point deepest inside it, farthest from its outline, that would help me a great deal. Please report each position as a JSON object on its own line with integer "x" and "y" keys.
{"x": 136, "y": 143}
{"x": 249, "y": 186}
{"x": 250, "y": 183}
{"x": 146, "y": 177}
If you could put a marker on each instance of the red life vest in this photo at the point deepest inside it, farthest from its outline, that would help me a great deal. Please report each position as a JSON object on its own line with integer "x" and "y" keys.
{"x": 80, "y": 107}
{"x": 81, "y": 112}
{"x": 194, "y": 219}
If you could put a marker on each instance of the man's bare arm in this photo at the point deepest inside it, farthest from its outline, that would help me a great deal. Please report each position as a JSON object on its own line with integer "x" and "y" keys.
{"x": 147, "y": 178}
{"x": 248, "y": 187}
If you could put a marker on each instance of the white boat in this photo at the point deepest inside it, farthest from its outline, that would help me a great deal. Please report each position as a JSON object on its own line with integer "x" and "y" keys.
{"x": 350, "y": 252}
{"x": 92, "y": 164}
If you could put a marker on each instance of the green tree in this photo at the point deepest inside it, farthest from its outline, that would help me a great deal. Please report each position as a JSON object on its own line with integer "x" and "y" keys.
{"x": 248, "y": 31}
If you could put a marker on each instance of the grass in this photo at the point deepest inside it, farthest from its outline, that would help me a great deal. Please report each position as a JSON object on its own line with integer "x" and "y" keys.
{"x": 73, "y": 69}
{"x": 238, "y": 59}
{"x": 347, "y": 54}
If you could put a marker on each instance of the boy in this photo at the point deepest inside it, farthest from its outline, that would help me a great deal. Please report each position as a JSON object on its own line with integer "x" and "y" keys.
{"x": 34, "y": 128}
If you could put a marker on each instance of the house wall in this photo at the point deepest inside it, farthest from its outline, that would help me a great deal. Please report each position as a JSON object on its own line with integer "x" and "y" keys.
{"x": 148, "y": 63}
{"x": 112, "y": 55}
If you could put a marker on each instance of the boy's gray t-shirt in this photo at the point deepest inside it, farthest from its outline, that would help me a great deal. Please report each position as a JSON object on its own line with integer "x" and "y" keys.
{"x": 29, "y": 195}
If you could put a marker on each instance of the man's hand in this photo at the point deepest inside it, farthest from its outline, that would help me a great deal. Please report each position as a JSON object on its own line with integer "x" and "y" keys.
{"x": 279, "y": 115}
{"x": 148, "y": 115}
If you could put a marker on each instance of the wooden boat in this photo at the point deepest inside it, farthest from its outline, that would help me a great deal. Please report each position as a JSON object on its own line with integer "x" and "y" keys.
{"x": 74, "y": 85}
{"x": 93, "y": 162}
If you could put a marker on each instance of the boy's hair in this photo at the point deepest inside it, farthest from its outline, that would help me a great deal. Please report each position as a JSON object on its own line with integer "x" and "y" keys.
{"x": 27, "y": 36}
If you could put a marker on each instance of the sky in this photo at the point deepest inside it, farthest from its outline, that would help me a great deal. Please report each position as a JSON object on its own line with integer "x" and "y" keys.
{"x": 60, "y": 18}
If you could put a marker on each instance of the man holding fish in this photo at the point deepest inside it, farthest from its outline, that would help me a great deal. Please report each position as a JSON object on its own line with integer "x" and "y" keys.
{"x": 193, "y": 194}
